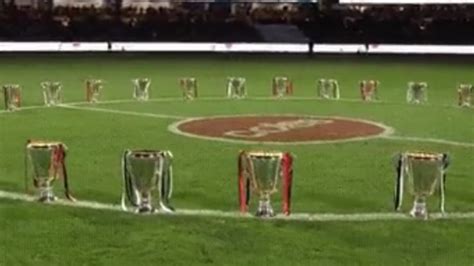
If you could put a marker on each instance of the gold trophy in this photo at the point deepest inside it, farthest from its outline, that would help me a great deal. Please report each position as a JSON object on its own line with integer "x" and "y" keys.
{"x": 422, "y": 174}
{"x": 45, "y": 163}
{"x": 12, "y": 96}
{"x": 94, "y": 88}
{"x": 260, "y": 172}
{"x": 465, "y": 95}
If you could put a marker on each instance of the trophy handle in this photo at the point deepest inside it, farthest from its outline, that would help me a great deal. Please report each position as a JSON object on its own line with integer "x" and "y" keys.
{"x": 229, "y": 88}
{"x": 62, "y": 158}
{"x": 287, "y": 174}
{"x": 5, "y": 100}
{"x": 45, "y": 94}
{"x": 166, "y": 180}
{"x": 274, "y": 87}
{"x": 196, "y": 89}
{"x": 243, "y": 184}
{"x": 26, "y": 167}
{"x": 398, "y": 195}
{"x": 361, "y": 89}
{"x": 442, "y": 184}
{"x": 127, "y": 193}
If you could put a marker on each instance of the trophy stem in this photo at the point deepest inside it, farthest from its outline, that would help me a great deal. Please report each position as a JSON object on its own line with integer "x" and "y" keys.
{"x": 145, "y": 204}
{"x": 265, "y": 209}
{"x": 46, "y": 193}
{"x": 419, "y": 208}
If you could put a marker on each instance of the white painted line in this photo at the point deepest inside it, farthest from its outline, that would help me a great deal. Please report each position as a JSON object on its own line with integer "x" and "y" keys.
{"x": 174, "y": 128}
{"x": 431, "y": 140}
{"x": 386, "y": 135}
{"x": 165, "y": 99}
{"x": 24, "y": 108}
{"x": 319, "y": 217}
{"x": 259, "y": 98}
{"x": 95, "y": 109}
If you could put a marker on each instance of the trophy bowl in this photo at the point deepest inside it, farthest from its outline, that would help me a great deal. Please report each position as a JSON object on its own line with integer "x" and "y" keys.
{"x": 144, "y": 179}
{"x": 422, "y": 175}
{"x": 147, "y": 178}
{"x": 259, "y": 174}
{"x": 45, "y": 163}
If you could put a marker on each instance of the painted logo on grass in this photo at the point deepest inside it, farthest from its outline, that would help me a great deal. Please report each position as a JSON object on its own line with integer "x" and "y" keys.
{"x": 280, "y": 129}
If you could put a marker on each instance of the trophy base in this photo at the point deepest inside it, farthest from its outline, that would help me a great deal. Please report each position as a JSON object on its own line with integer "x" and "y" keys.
{"x": 46, "y": 195}
{"x": 419, "y": 211}
{"x": 46, "y": 199}
{"x": 265, "y": 210}
{"x": 146, "y": 210}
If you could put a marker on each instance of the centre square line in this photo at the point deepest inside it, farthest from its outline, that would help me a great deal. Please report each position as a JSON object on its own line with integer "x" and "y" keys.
{"x": 302, "y": 217}
{"x": 113, "y": 111}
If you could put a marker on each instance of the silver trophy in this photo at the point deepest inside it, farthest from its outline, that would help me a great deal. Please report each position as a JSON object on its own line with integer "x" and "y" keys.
{"x": 147, "y": 181}
{"x": 189, "y": 87}
{"x": 52, "y": 92}
{"x": 12, "y": 96}
{"x": 465, "y": 95}
{"x": 417, "y": 92}
{"x": 369, "y": 90}
{"x": 282, "y": 86}
{"x": 45, "y": 163}
{"x": 141, "y": 89}
{"x": 260, "y": 172}
{"x": 94, "y": 89}
{"x": 422, "y": 175}
{"x": 328, "y": 89}
{"x": 236, "y": 88}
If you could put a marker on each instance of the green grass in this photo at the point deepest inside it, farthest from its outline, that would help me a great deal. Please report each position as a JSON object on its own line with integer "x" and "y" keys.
{"x": 339, "y": 178}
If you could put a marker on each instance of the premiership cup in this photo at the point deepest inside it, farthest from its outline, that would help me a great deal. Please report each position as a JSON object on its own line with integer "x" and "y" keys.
{"x": 52, "y": 92}
{"x": 189, "y": 88}
{"x": 141, "y": 89}
{"x": 327, "y": 89}
{"x": 466, "y": 95}
{"x": 417, "y": 92}
{"x": 369, "y": 90}
{"x": 422, "y": 174}
{"x": 45, "y": 163}
{"x": 260, "y": 173}
{"x": 147, "y": 181}
{"x": 93, "y": 90}
{"x": 236, "y": 87}
{"x": 12, "y": 96}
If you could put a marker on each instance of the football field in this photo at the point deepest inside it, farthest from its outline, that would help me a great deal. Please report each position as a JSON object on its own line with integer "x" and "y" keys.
{"x": 354, "y": 178}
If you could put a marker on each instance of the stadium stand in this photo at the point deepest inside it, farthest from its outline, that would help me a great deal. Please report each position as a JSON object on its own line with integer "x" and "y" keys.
{"x": 447, "y": 24}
